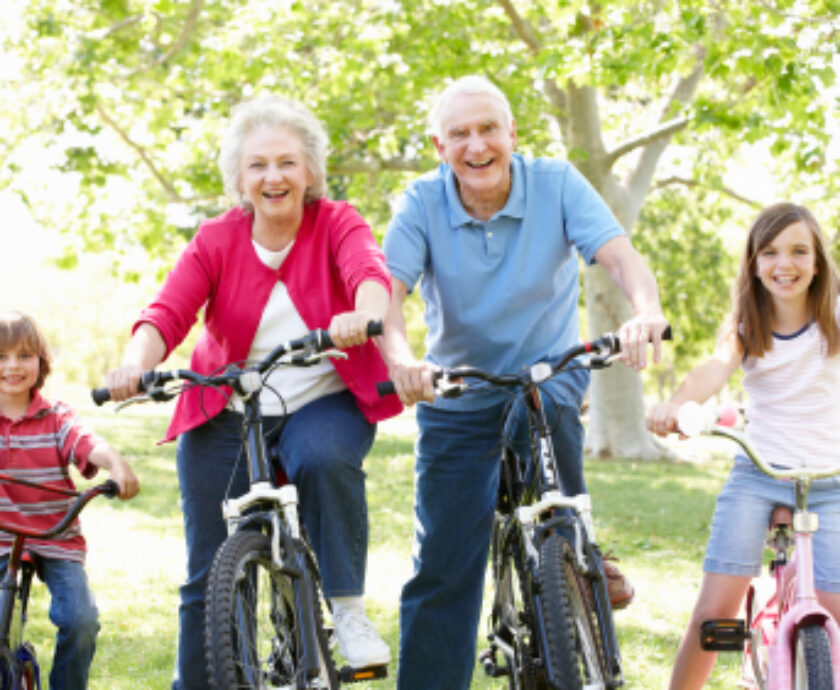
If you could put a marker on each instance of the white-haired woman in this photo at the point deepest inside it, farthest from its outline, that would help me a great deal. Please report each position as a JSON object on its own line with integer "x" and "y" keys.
{"x": 283, "y": 261}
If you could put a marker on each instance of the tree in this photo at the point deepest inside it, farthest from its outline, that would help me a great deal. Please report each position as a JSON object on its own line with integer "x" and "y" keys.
{"x": 638, "y": 95}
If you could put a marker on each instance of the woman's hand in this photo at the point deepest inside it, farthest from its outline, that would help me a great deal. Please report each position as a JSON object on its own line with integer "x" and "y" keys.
{"x": 662, "y": 418}
{"x": 350, "y": 328}
{"x": 123, "y": 382}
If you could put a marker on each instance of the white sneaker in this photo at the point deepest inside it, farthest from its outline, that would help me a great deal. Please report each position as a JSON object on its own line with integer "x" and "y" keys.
{"x": 358, "y": 641}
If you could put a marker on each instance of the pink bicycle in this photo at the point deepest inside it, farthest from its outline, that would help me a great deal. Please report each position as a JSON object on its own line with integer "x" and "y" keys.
{"x": 789, "y": 641}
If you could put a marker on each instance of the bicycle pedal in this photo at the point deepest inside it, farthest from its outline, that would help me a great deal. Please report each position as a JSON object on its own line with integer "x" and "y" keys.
{"x": 348, "y": 674}
{"x": 723, "y": 635}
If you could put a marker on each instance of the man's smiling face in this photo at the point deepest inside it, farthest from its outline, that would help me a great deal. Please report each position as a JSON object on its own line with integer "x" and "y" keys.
{"x": 477, "y": 140}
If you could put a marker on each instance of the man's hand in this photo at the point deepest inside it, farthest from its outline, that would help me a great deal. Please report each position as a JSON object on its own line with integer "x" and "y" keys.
{"x": 413, "y": 381}
{"x": 637, "y": 334}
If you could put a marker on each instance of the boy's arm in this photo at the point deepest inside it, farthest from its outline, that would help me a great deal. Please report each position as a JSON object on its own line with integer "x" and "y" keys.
{"x": 701, "y": 384}
{"x": 104, "y": 456}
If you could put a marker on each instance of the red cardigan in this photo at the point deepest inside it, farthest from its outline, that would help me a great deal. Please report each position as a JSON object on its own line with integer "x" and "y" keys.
{"x": 333, "y": 253}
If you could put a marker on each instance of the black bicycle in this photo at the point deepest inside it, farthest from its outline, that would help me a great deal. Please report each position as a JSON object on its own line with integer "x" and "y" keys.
{"x": 550, "y": 619}
{"x": 264, "y": 608}
{"x": 19, "y": 668}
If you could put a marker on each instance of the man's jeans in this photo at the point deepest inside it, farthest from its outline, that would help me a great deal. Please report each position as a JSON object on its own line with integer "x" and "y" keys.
{"x": 457, "y": 476}
{"x": 321, "y": 447}
{"x": 73, "y": 611}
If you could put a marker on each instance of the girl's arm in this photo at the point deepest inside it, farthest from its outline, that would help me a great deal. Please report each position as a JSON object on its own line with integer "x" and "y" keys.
{"x": 701, "y": 384}
{"x": 104, "y": 456}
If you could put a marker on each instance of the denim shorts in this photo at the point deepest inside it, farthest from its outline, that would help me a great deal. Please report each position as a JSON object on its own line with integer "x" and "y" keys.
{"x": 741, "y": 518}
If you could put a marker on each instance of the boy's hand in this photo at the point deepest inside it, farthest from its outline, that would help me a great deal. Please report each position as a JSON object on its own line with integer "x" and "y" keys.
{"x": 126, "y": 479}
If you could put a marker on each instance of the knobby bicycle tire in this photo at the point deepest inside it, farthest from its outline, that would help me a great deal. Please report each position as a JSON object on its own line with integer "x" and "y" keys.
{"x": 573, "y": 645}
{"x": 812, "y": 668}
{"x": 512, "y": 618}
{"x": 252, "y": 625}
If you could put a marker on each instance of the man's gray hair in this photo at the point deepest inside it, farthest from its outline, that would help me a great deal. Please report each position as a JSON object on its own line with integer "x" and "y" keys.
{"x": 274, "y": 111}
{"x": 473, "y": 85}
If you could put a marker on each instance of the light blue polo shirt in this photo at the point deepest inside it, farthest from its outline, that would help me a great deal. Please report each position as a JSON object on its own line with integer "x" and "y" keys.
{"x": 502, "y": 294}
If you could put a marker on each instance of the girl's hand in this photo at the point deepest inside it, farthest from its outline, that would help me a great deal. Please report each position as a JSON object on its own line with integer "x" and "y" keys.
{"x": 350, "y": 328}
{"x": 662, "y": 418}
{"x": 126, "y": 479}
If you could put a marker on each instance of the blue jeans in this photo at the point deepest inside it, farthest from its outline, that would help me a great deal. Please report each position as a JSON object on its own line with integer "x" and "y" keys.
{"x": 456, "y": 484}
{"x": 73, "y": 611}
{"x": 322, "y": 447}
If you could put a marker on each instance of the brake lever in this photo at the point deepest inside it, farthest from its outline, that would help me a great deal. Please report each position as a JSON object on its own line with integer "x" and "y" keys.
{"x": 309, "y": 358}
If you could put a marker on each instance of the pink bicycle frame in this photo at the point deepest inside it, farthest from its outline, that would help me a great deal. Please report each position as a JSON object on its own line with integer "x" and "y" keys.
{"x": 802, "y": 606}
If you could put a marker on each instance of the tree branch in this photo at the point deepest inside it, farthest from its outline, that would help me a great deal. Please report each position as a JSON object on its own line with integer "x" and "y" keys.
{"x": 525, "y": 33}
{"x": 179, "y": 43}
{"x": 685, "y": 182}
{"x": 664, "y": 130}
{"x": 168, "y": 187}
{"x": 351, "y": 167}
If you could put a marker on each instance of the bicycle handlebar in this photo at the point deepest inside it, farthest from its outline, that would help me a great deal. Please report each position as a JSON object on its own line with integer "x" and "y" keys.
{"x": 108, "y": 488}
{"x": 601, "y": 348}
{"x": 313, "y": 343}
{"x": 694, "y": 420}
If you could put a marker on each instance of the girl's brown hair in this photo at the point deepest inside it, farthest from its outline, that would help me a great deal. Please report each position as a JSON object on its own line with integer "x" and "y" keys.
{"x": 18, "y": 330}
{"x": 752, "y": 315}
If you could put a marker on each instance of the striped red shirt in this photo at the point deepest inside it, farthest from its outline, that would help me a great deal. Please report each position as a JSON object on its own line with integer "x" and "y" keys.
{"x": 40, "y": 447}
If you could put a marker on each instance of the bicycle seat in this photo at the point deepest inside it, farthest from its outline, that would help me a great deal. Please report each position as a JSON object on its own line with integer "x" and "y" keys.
{"x": 782, "y": 515}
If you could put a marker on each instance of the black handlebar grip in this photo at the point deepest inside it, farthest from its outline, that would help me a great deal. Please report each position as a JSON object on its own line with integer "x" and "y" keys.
{"x": 385, "y": 388}
{"x": 110, "y": 488}
{"x": 100, "y": 396}
{"x": 374, "y": 328}
{"x": 667, "y": 334}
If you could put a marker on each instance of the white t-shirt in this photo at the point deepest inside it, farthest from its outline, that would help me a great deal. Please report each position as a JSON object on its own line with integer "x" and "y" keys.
{"x": 793, "y": 409}
{"x": 281, "y": 322}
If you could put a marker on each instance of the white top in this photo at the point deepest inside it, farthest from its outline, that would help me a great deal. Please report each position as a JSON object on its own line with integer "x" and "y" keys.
{"x": 281, "y": 322}
{"x": 793, "y": 409}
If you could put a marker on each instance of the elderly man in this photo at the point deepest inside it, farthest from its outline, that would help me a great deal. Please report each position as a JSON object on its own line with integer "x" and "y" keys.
{"x": 492, "y": 237}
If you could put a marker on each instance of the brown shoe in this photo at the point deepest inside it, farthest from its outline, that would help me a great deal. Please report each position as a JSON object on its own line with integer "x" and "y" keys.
{"x": 619, "y": 587}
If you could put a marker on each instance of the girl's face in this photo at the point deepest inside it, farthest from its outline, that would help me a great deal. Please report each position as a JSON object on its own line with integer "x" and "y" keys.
{"x": 787, "y": 265}
{"x": 19, "y": 368}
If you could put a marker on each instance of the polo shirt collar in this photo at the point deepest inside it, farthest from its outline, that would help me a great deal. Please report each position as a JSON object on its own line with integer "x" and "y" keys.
{"x": 514, "y": 208}
{"x": 37, "y": 407}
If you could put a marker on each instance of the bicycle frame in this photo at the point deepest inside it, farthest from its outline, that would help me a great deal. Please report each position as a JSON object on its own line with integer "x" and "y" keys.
{"x": 17, "y": 579}
{"x": 794, "y": 603}
{"x": 540, "y": 511}
{"x": 263, "y": 504}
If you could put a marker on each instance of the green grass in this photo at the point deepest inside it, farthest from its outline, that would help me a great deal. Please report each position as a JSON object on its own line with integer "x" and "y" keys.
{"x": 654, "y": 516}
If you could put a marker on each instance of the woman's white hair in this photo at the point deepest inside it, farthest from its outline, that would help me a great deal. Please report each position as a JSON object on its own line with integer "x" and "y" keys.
{"x": 472, "y": 84}
{"x": 274, "y": 111}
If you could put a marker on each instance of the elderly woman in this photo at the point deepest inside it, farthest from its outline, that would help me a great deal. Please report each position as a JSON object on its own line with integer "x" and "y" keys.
{"x": 282, "y": 262}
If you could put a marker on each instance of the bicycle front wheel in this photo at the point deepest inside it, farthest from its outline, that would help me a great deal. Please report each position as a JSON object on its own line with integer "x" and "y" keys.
{"x": 812, "y": 665}
{"x": 253, "y": 627}
{"x": 573, "y": 640}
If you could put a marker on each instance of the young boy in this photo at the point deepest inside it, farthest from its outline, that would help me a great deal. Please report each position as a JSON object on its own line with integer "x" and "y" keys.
{"x": 38, "y": 442}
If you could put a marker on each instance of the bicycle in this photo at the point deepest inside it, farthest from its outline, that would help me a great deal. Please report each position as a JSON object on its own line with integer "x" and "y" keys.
{"x": 19, "y": 668}
{"x": 264, "y": 624}
{"x": 551, "y": 617}
{"x": 790, "y": 641}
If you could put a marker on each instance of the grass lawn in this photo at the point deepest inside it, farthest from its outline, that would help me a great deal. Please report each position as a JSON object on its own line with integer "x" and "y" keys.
{"x": 654, "y": 516}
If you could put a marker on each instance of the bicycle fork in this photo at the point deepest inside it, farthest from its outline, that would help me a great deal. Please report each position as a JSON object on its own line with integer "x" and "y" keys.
{"x": 288, "y": 554}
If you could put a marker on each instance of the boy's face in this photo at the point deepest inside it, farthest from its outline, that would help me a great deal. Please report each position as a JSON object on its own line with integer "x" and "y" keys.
{"x": 19, "y": 368}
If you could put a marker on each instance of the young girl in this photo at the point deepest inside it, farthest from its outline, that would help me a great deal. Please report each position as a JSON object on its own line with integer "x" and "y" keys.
{"x": 783, "y": 331}
{"x": 38, "y": 442}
